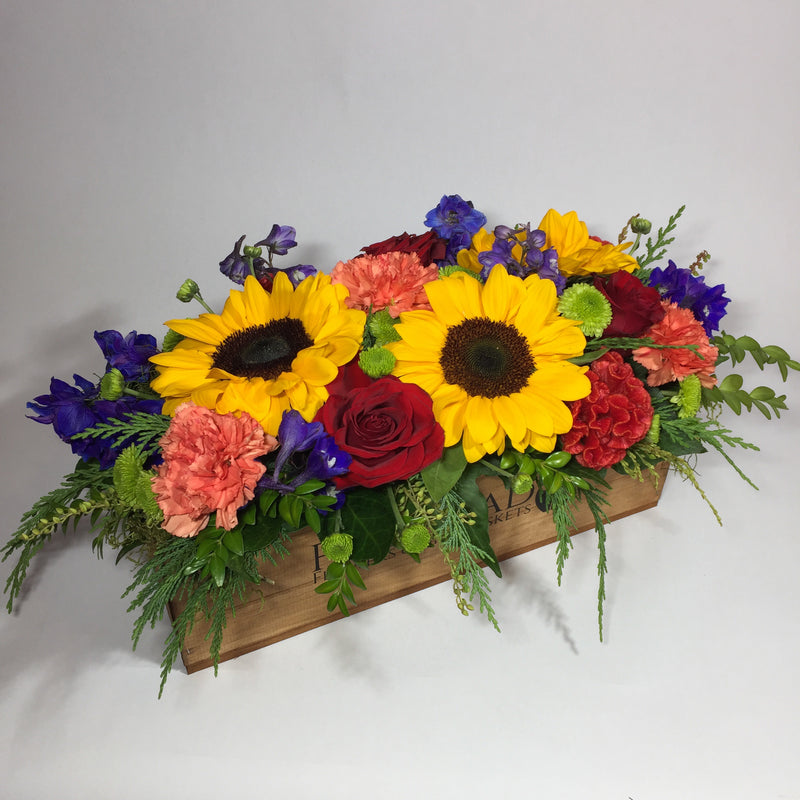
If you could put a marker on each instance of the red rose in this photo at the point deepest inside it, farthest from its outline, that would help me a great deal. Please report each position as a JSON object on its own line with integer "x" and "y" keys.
{"x": 387, "y": 426}
{"x": 635, "y": 307}
{"x": 429, "y": 247}
{"x": 616, "y": 414}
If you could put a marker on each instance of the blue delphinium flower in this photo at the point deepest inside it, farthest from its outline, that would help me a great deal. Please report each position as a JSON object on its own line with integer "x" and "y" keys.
{"x": 279, "y": 240}
{"x": 456, "y": 220}
{"x": 236, "y": 266}
{"x": 680, "y": 286}
{"x": 72, "y": 409}
{"x": 324, "y": 459}
{"x": 129, "y": 354}
{"x": 296, "y": 275}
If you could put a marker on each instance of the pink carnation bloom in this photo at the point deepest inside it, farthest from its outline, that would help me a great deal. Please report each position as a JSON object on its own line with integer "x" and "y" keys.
{"x": 209, "y": 466}
{"x": 393, "y": 281}
{"x": 679, "y": 326}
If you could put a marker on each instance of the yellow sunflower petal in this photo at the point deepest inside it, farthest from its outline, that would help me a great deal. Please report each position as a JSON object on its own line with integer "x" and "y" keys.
{"x": 509, "y": 415}
{"x": 315, "y": 370}
{"x": 480, "y": 418}
{"x": 207, "y": 328}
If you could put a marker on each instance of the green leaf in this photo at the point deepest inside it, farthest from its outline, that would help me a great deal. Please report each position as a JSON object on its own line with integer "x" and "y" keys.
{"x": 443, "y": 474}
{"x": 354, "y": 576}
{"x": 467, "y": 489}
{"x": 217, "y": 569}
{"x": 248, "y": 516}
{"x": 267, "y": 500}
{"x": 364, "y": 517}
{"x": 234, "y": 541}
{"x": 312, "y": 518}
{"x": 309, "y": 487}
{"x": 261, "y": 535}
{"x": 326, "y": 587}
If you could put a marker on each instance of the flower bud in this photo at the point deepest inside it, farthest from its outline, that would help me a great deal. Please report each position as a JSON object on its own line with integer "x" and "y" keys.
{"x": 641, "y": 225}
{"x": 376, "y": 361}
{"x": 188, "y": 291}
{"x": 112, "y": 385}
{"x": 415, "y": 537}
{"x": 521, "y": 484}
{"x": 251, "y": 252}
{"x": 337, "y": 547}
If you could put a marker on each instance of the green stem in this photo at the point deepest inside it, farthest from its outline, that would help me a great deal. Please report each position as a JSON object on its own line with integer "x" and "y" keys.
{"x": 498, "y": 470}
{"x": 203, "y": 303}
{"x": 395, "y": 510}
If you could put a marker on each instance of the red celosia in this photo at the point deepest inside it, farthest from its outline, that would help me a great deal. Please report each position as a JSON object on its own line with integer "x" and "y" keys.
{"x": 209, "y": 466}
{"x": 679, "y": 326}
{"x": 616, "y": 414}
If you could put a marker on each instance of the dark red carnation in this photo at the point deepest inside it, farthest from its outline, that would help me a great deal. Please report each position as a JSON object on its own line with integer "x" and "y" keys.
{"x": 616, "y": 414}
{"x": 387, "y": 426}
{"x": 429, "y": 247}
{"x": 635, "y": 307}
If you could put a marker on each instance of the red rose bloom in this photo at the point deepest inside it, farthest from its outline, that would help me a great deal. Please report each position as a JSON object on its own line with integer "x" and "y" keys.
{"x": 616, "y": 414}
{"x": 635, "y": 307}
{"x": 429, "y": 247}
{"x": 387, "y": 426}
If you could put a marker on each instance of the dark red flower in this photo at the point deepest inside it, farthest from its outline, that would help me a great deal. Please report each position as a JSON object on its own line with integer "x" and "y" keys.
{"x": 429, "y": 247}
{"x": 635, "y": 307}
{"x": 616, "y": 414}
{"x": 386, "y": 426}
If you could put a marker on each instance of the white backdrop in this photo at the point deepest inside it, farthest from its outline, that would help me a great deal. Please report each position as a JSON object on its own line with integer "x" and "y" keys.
{"x": 139, "y": 140}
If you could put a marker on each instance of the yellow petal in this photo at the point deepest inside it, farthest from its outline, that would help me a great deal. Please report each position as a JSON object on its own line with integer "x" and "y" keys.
{"x": 510, "y": 416}
{"x": 315, "y": 370}
{"x": 481, "y": 422}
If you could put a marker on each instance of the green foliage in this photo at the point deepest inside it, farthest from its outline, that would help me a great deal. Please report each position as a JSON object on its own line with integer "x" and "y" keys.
{"x": 477, "y": 515}
{"x": 737, "y": 350}
{"x": 170, "y": 574}
{"x": 586, "y": 485}
{"x": 364, "y": 517}
{"x": 730, "y": 392}
{"x": 339, "y": 581}
{"x": 657, "y": 250}
{"x": 55, "y": 509}
{"x": 456, "y": 540}
{"x": 139, "y": 428}
{"x": 443, "y": 474}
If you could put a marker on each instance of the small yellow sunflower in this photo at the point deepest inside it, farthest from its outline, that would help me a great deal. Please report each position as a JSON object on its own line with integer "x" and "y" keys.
{"x": 577, "y": 253}
{"x": 493, "y": 357}
{"x": 265, "y": 353}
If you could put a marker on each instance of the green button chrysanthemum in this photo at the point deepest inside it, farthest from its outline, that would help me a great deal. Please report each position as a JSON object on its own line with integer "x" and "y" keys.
{"x": 587, "y": 305}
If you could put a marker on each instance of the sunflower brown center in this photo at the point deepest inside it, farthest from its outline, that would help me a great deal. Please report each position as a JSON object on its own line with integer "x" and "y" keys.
{"x": 486, "y": 358}
{"x": 262, "y": 351}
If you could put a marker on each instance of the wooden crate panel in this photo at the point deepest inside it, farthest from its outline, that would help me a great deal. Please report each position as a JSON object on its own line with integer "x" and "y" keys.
{"x": 289, "y": 605}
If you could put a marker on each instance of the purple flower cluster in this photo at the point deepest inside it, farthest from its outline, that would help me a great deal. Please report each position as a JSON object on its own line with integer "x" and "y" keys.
{"x": 72, "y": 409}
{"x": 323, "y": 460}
{"x": 534, "y": 259}
{"x": 278, "y": 242}
{"x": 456, "y": 220}
{"x": 680, "y": 286}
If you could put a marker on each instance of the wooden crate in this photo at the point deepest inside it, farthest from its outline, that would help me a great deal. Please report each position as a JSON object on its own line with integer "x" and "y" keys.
{"x": 289, "y": 605}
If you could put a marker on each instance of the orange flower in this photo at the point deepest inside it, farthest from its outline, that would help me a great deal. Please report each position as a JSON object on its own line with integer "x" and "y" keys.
{"x": 393, "y": 281}
{"x": 209, "y": 466}
{"x": 678, "y": 327}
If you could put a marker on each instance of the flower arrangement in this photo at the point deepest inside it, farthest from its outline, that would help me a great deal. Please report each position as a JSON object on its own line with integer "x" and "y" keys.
{"x": 366, "y": 402}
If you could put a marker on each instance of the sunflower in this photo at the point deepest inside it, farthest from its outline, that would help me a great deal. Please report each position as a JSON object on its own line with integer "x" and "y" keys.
{"x": 580, "y": 254}
{"x": 493, "y": 357}
{"x": 265, "y": 353}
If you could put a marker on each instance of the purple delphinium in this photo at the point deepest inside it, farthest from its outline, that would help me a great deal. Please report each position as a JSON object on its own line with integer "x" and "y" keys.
{"x": 279, "y": 240}
{"x": 324, "y": 459}
{"x": 72, "y": 409}
{"x": 296, "y": 275}
{"x": 534, "y": 260}
{"x": 236, "y": 266}
{"x": 129, "y": 354}
{"x": 456, "y": 220}
{"x": 679, "y": 285}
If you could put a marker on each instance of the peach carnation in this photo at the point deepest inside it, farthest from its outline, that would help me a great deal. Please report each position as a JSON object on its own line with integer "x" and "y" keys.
{"x": 209, "y": 467}
{"x": 393, "y": 281}
{"x": 678, "y": 327}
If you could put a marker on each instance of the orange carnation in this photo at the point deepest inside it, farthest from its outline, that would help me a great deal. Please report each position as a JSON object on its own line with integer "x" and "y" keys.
{"x": 209, "y": 466}
{"x": 393, "y": 281}
{"x": 678, "y": 327}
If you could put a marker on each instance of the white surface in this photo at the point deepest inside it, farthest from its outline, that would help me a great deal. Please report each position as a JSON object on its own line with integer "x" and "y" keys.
{"x": 139, "y": 140}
